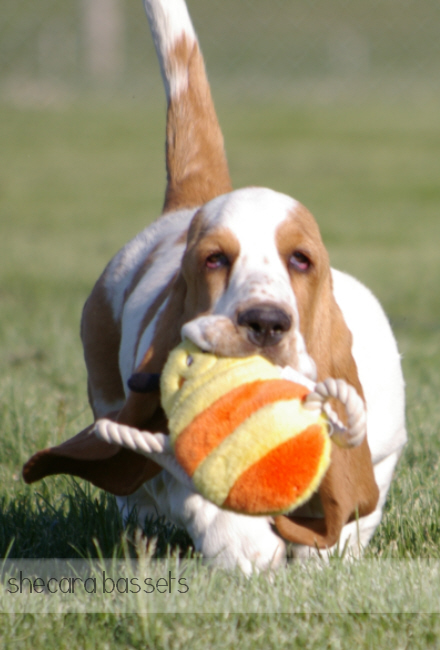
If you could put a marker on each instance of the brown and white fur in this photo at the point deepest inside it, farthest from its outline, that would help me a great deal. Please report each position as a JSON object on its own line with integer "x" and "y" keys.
{"x": 238, "y": 272}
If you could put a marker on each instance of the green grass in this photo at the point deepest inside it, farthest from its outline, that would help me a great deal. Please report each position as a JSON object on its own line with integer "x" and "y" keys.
{"x": 76, "y": 184}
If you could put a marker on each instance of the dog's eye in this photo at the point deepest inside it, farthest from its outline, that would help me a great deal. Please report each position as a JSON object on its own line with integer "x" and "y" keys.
{"x": 216, "y": 261}
{"x": 300, "y": 262}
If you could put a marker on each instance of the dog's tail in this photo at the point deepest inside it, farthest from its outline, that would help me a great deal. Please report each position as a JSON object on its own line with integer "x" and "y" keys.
{"x": 197, "y": 169}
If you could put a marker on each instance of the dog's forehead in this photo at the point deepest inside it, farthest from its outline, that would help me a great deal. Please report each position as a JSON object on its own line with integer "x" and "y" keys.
{"x": 249, "y": 213}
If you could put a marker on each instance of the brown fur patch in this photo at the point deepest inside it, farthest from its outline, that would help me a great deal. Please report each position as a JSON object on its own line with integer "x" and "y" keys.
{"x": 101, "y": 337}
{"x": 196, "y": 162}
{"x": 151, "y": 312}
{"x": 142, "y": 269}
{"x": 204, "y": 285}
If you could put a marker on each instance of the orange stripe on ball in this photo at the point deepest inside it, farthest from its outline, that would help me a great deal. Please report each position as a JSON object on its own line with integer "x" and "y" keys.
{"x": 277, "y": 481}
{"x": 215, "y": 423}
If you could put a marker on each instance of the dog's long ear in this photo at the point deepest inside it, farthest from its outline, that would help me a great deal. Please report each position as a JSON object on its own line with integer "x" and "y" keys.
{"x": 119, "y": 471}
{"x": 349, "y": 488}
{"x": 196, "y": 163}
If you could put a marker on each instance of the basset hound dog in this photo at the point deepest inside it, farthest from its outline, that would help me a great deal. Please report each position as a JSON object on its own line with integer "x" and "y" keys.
{"x": 238, "y": 273}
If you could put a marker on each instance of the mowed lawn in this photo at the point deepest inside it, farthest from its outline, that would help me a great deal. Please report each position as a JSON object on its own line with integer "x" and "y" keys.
{"x": 76, "y": 183}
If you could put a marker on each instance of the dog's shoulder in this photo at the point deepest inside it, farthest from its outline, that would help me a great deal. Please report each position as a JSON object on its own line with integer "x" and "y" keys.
{"x": 147, "y": 262}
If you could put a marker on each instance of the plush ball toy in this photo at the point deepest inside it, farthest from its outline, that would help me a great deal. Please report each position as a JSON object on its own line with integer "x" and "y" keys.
{"x": 242, "y": 432}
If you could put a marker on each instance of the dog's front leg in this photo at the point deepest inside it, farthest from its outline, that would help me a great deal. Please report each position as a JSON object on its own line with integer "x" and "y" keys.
{"x": 226, "y": 538}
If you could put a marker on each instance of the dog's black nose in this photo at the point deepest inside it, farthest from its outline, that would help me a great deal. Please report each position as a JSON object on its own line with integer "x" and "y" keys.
{"x": 266, "y": 324}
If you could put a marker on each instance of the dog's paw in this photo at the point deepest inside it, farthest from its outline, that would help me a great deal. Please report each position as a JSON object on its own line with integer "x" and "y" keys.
{"x": 231, "y": 540}
{"x": 224, "y": 538}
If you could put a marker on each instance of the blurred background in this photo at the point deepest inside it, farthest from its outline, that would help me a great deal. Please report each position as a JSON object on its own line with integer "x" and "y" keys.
{"x": 316, "y": 50}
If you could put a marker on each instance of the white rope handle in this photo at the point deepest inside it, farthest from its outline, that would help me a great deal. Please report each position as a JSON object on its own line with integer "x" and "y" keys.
{"x": 153, "y": 445}
{"x": 354, "y": 433}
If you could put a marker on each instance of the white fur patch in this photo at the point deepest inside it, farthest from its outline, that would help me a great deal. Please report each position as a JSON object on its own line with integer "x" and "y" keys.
{"x": 170, "y": 22}
{"x": 122, "y": 269}
{"x": 378, "y": 364}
